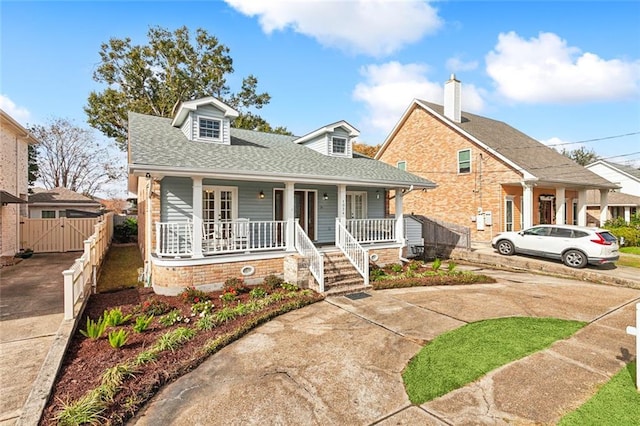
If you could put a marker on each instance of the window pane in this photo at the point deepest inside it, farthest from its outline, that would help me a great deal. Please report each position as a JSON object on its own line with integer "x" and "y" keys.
{"x": 464, "y": 155}
{"x": 48, "y": 214}
{"x": 209, "y": 128}
{"x": 402, "y": 165}
{"x": 339, "y": 145}
{"x": 464, "y": 161}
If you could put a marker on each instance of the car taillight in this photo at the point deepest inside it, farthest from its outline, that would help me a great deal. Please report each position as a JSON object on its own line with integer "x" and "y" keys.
{"x": 601, "y": 241}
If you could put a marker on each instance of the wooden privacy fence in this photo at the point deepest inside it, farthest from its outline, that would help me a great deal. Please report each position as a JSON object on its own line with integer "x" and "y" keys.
{"x": 81, "y": 277}
{"x": 56, "y": 235}
{"x": 441, "y": 237}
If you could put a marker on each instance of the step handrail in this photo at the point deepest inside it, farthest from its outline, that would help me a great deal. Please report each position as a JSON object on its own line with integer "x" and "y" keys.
{"x": 305, "y": 247}
{"x": 357, "y": 255}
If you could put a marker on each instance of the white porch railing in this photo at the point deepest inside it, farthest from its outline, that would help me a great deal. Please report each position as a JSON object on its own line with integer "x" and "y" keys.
{"x": 358, "y": 256}
{"x": 174, "y": 238}
{"x": 372, "y": 230}
{"x": 243, "y": 235}
{"x": 83, "y": 273}
{"x": 305, "y": 247}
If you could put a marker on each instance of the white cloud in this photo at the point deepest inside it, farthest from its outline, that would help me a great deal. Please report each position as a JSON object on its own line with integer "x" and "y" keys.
{"x": 20, "y": 114}
{"x": 389, "y": 89}
{"x": 456, "y": 64}
{"x": 372, "y": 27}
{"x": 546, "y": 69}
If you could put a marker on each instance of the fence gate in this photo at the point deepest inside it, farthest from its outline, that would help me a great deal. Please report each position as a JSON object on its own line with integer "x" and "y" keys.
{"x": 55, "y": 235}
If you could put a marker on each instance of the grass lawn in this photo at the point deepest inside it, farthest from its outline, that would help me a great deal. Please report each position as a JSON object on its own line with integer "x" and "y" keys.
{"x": 616, "y": 403}
{"x": 627, "y": 259}
{"x": 461, "y": 356}
{"x": 630, "y": 250}
{"x": 120, "y": 268}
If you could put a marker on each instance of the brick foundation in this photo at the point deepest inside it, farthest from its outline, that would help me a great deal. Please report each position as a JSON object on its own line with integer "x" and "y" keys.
{"x": 171, "y": 280}
{"x": 385, "y": 256}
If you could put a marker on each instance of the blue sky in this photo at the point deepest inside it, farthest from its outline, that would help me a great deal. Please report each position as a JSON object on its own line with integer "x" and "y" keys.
{"x": 558, "y": 71}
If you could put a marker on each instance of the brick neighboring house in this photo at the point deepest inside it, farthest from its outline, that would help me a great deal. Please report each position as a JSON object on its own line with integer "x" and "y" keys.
{"x": 14, "y": 181}
{"x": 623, "y": 203}
{"x": 490, "y": 176}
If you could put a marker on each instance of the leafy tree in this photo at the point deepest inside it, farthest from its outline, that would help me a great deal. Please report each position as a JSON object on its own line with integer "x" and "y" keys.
{"x": 154, "y": 79}
{"x": 69, "y": 156}
{"x": 32, "y": 161}
{"x": 582, "y": 155}
{"x": 368, "y": 150}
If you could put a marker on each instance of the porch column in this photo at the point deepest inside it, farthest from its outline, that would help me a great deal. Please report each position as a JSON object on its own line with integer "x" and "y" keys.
{"x": 289, "y": 215}
{"x": 342, "y": 204}
{"x": 561, "y": 204}
{"x": 399, "y": 217}
{"x": 627, "y": 214}
{"x": 582, "y": 207}
{"x": 527, "y": 205}
{"x": 604, "y": 205}
{"x": 196, "y": 217}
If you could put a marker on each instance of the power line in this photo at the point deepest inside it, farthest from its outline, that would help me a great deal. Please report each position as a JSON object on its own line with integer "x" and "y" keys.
{"x": 595, "y": 140}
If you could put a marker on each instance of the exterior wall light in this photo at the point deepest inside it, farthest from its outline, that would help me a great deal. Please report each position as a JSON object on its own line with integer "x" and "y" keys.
{"x": 325, "y": 196}
{"x": 261, "y": 195}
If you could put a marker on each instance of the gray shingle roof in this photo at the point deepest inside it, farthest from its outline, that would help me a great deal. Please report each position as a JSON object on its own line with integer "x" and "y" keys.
{"x": 154, "y": 142}
{"x": 624, "y": 168}
{"x": 60, "y": 196}
{"x": 541, "y": 161}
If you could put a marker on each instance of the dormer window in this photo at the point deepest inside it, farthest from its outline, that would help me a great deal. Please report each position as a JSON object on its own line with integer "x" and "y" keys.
{"x": 208, "y": 128}
{"x": 338, "y": 146}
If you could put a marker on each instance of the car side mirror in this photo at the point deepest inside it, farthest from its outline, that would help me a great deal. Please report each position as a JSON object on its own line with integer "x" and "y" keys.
{"x": 521, "y": 233}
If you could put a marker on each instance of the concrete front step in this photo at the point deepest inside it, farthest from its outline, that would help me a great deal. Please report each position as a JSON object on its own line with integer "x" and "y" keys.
{"x": 345, "y": 289}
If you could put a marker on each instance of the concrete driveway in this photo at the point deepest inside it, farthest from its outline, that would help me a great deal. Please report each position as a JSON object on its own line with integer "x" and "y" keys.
{"x": 340, "y": 361}
{"x": 31, "y": 310}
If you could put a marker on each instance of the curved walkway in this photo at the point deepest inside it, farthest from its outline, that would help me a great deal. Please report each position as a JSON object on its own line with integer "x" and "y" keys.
{"x": 340, "y": 361}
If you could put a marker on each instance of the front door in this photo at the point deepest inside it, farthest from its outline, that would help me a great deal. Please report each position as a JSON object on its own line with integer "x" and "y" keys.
{"x": 356, "y": 205}
{"x": 218, "y": 207}
{"x": 304, "y": 209}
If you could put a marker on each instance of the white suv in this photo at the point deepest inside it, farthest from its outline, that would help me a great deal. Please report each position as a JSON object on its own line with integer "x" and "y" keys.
{"x": 576, "y": 246}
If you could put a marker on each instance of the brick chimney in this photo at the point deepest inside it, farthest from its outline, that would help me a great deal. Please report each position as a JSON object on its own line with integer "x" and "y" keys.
{"x": 452, "y": 109}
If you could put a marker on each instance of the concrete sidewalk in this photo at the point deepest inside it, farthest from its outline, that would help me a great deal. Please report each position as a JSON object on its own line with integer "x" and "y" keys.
{"x": 31, "y": 314}
{"x": 340, "y": 361}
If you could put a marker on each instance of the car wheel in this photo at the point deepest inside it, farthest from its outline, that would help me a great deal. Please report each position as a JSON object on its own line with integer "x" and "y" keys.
{"x": 574, "y": 259}
{"x": 505, "y": 247}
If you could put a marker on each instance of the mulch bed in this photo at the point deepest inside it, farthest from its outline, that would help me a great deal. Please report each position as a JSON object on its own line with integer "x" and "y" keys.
{"x": 86, "y": 359}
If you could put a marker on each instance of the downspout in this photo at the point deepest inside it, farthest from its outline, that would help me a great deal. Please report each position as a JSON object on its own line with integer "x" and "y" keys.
{"x": 147, "y": 235}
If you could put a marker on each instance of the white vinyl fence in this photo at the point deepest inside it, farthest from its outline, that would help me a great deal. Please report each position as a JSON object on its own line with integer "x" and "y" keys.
{"x": 81, "y": 278}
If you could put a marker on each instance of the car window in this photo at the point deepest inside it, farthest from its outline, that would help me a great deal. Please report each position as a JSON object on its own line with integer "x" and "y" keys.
{"x": 560, "y": 232}
{"x": 579, "y": 234}
{"x": 540, "y": 231}
{"x": 608, "y": 237}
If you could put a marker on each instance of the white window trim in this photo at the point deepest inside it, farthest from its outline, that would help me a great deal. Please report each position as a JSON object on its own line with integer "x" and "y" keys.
{"x": 365, "y": 202}
{"x": 205, "y": 139}
{"x": 458, "y": 161}
{"x": 346, "y": 146}
{"x": 513, "y": 213}
{"x": 218, "y": 189}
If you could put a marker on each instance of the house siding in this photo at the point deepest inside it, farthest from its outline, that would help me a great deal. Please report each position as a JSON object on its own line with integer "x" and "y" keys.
{"x": 177, "y": 199}
{"x": 628, "y": 184}
{"x": 433, "y": 148}
{"x": 319, "y": 144}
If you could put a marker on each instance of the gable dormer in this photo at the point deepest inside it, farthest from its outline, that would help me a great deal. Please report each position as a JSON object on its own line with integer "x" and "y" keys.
{"x": 334, "y": 140}
{"x": 205, "y": 120}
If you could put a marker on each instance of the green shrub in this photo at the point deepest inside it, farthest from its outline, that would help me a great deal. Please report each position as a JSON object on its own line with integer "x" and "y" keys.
{"x": 126, "y": 231}
{"x": 228, "y": 297}
{"x": 193, "y": 295}
{"x": 236, "y": 285}
{"x": 114, "y": 317}
{"x": 206, "y": 323}
{"x": 451, "y": 266}
{"x": 289, "y": 287}
{"x": 630, "y": 234}
{"x": 257, "y": 293}
{"x": 436, "y": 265}
{"x": 94, "y": 329}
{"x": 117, "y": 339}
{"x": 142, "y": 323}
{"x": 414, "y": 265}
{"x": 202, "y": 308}
{"x": 272, "y": 282}
{"x": 396, "y": 267}
{"x": 225, "y": 314}
{"x": 153, "y": 306}
{"x": 375, "y": 274}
